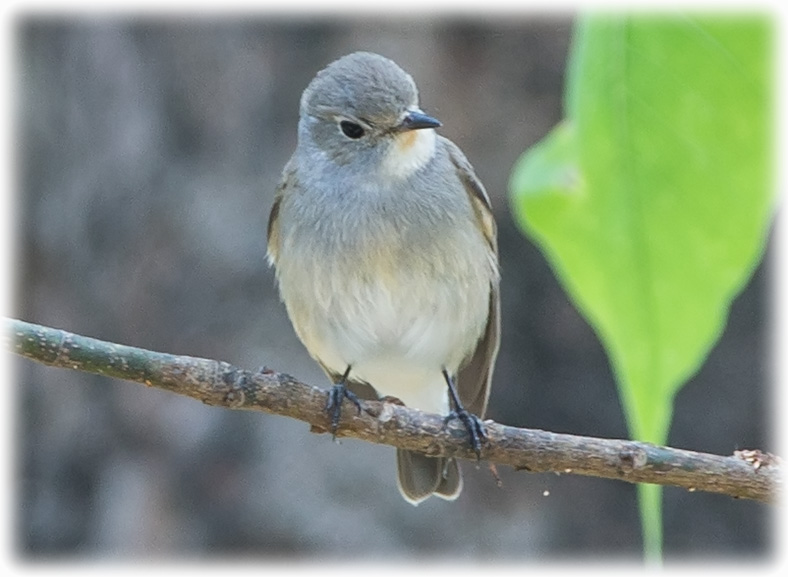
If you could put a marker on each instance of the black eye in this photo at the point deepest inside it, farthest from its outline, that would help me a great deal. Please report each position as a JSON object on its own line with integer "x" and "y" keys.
{"x": 351, "y": 129}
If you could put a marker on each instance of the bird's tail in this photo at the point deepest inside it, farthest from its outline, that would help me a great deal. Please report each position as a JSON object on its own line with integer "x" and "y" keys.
{"x": 420, "y": 476}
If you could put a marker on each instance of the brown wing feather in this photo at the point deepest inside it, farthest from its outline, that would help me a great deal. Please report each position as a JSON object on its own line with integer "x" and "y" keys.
{"x": 473, "y": 380}
{"x": 287, "y": 182}
{"x": 475, "y": 189}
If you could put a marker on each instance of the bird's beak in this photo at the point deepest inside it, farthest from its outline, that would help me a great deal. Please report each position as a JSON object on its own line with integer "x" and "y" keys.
{"x": 416, "y": 119}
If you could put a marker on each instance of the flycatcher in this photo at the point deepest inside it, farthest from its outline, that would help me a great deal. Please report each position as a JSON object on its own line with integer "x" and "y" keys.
{"x": 385, "y": 251}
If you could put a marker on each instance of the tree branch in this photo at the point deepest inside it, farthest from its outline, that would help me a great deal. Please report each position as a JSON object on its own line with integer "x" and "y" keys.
{"x": 745, "y": 474}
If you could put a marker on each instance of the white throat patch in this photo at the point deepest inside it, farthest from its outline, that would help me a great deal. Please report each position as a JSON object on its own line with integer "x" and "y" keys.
{"x": 410, "y": 151}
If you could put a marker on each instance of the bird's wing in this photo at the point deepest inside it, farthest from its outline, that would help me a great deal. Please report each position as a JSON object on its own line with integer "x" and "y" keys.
{"x": 473, "y": 380}
{"x": 286, "y": 183}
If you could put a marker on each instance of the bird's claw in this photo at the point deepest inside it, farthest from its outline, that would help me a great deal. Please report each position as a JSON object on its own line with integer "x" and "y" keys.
{"x": 473, "y": 425}
{"x": 336, "y": 395}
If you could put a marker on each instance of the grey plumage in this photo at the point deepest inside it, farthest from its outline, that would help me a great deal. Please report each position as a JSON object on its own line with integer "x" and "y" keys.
{"x": 385, "y": 252}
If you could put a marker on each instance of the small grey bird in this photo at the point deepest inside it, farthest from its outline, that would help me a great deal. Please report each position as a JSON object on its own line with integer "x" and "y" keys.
{"x": 385, "y": 251}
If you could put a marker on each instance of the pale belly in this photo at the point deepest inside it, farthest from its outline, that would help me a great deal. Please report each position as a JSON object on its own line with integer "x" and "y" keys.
{"x": 396, "y": 332}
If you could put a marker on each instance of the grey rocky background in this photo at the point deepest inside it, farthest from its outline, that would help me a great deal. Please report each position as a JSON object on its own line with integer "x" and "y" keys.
{"x": 147, "y": 153}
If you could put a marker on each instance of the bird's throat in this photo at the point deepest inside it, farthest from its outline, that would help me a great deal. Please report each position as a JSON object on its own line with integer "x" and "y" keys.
{"x": 409, "y": 152}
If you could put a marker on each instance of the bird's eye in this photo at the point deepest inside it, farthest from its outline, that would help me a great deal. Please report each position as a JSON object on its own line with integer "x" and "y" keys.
{"x": 351, "y": 129}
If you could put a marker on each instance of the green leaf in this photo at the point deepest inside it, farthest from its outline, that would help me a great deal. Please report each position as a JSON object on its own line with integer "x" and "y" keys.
{"x": 652, "y": 199}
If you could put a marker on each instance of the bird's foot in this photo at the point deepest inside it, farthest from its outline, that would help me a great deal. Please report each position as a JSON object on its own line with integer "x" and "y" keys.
{"x": 336, "y": 395}
{"x": 473, "y": 424}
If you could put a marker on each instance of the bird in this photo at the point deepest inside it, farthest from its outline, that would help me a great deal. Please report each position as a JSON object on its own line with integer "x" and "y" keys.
{"x": 385, "y": 253}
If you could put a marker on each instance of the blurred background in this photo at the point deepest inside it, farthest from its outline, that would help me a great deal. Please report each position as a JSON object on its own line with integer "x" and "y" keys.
{"x": 147, "y": 153}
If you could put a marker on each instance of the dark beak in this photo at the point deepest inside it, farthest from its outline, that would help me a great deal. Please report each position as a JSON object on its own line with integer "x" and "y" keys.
{"x": 417, "y": 119}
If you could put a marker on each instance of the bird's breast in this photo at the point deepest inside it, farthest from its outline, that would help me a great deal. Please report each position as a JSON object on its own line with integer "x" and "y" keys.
{"x": 385, "y": 290}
